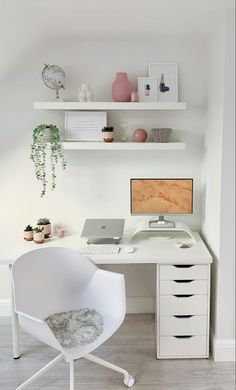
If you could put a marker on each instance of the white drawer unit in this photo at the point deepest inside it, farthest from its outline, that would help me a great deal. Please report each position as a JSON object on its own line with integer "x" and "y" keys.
{"x": 182, "y": 325}
{"x": 182, "y": 272}
{"x": 183, "y": 346}
{"x": 183, "y": 304}
{"x": 182, "y": 312}
{"x": 186, "y": 286}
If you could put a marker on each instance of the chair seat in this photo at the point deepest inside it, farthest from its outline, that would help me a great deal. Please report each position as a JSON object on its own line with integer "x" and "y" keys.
{"x": 76, "y": 327}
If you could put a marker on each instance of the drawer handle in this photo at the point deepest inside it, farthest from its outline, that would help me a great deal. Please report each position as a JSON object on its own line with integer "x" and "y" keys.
{"x": 183, "y": 295}
{"x": 183, "y": 266}
{"x": 183, "y": 316}
{"x": 184, "y": 281}
{"x": 183, "y": 337}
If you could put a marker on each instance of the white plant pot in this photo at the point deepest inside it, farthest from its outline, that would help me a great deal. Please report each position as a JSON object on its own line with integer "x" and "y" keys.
{"x": 46, "y": 229}
{"x": 39, "y": 237}
{"x": 28, "y": 236}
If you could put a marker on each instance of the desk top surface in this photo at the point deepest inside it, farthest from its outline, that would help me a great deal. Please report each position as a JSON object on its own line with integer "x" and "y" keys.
{"x": 147, "y": 250}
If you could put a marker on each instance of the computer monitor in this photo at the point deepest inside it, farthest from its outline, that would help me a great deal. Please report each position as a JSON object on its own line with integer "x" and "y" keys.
{"x": 161, "y": 196}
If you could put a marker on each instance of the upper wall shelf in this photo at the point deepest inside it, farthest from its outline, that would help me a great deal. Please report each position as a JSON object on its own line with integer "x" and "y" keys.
{"x": 106, "y": 106}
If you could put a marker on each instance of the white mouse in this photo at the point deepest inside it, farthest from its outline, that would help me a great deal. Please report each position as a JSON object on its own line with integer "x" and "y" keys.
{"x": 129, "y": 249}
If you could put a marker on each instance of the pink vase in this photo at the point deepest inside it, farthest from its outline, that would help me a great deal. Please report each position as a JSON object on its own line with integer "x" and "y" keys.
{"x": 121, "y": 88}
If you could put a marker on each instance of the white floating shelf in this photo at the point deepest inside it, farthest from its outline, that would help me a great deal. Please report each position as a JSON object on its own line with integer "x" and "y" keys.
{"x": 108, "y": 106}
{"x": 82, "y": 145}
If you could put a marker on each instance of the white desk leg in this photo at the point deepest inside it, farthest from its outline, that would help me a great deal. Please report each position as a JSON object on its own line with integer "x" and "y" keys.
{"x": 14, "y": 323}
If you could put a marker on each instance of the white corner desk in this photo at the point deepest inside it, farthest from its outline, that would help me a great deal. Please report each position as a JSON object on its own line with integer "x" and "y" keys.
{"x": 182, "y": 289}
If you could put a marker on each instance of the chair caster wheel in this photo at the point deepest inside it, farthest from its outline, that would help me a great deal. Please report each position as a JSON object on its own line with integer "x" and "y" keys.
{"x": 129, "y": 382}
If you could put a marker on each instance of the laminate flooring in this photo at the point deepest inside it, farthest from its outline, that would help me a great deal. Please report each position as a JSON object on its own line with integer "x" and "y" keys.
{"x": 131, "y": 347}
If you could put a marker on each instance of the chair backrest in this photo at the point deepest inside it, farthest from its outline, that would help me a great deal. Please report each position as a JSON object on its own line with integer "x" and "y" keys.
{"x": 49, "y": 280}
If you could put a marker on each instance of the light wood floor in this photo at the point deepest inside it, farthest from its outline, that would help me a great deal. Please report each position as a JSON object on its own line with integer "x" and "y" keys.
{"x": 132, "y": 347}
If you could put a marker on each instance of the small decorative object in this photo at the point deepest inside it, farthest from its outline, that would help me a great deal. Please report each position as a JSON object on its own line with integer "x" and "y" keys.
{"x": 85, "y": 93}
{"x": 84, "y": 126}
{"x": 161, "y": 135}
{"x": 122, "y": 128}
{"x": 28, "y": 233}
{"x": 134, "y": 97}
{"x": 147, "y": 89}
{"x": 167, "y": 81}
{"x": 54, "y": 78}
{"x": 108, "y": 134}
{"x": 82, "y": 94}
{"x": 89, "y": 94}
{"x": 45, "y": 136}
{"x": 121, "y": 88}
{"x": 60, "y": 231}
{"x": 46, "y": 225}
{"x": 139, "y": 135}
{"x": 38, "y": 235}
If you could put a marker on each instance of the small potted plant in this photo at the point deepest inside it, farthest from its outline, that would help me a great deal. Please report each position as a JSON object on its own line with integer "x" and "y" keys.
{"x": 28, "y": 233}
{"x": 38, "y": 235}
{"x": 108, "y": 134}
{"x": 46, "y": 225}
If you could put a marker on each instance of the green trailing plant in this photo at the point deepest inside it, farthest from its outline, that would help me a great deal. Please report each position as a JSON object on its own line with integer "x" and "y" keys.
{"x": 43, "y": 221}
{"x": 39, "y": 149}
{"x": 28, "y": 228}
{"x": 38, "y": 229}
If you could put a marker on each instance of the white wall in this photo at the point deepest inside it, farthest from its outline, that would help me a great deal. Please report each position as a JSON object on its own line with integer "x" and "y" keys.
{"x": 96, "y": 184}
{"x": 219, "y": 179}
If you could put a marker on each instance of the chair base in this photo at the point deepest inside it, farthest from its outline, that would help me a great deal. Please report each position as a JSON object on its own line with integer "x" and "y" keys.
{"x": 128, "y": 379}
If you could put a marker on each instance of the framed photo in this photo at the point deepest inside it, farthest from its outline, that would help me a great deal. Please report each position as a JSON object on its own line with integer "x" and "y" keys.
{"x": 147, "y": 89}
{"x": 167, "y": 81}
{"x": 84, "y": 126}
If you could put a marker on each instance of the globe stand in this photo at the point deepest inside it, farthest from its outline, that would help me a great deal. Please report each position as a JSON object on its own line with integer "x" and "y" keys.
{"x": 58, "y": 98}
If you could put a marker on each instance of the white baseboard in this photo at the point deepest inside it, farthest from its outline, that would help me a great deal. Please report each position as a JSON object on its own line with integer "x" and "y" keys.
{"x": 140, "y": 304}
{"x": 223, "y": 350}
{"x": 5, "y": 310}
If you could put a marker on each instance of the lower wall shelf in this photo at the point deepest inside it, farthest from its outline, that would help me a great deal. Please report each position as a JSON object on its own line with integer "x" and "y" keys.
{"x": 82, "y": 145}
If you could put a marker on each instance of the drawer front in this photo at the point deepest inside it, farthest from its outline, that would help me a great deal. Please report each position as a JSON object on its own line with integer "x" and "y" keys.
{"x": 183, "y": 325}
{"x": 183, "y": 347}
{"x": 192, "y": 305}
{"x": 186, "y": 286}
{"x": 182, "y": 272}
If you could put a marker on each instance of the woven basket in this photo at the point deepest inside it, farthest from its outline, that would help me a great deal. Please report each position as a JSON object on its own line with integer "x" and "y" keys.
{"x": 161, "y": 135}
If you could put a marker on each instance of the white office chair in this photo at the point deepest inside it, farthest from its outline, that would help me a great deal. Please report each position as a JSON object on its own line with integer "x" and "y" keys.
{"x": 54, "y": 280}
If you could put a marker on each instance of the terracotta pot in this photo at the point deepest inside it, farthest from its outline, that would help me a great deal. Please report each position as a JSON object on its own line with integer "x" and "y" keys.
{"x": 46, "y": 230}
{"x": 39, "y": 237}
{"x": 28, "y": 235}
{"x": 121, "y": 88}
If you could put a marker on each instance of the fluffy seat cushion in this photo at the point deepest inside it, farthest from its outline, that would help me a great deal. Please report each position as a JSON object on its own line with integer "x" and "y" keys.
{"x": 76, "y": 327}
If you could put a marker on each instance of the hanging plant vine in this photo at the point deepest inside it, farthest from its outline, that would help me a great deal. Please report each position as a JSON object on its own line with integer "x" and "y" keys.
{"x": 39, "y": 154}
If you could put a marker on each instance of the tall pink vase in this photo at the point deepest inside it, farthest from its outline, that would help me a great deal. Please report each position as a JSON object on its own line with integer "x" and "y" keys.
{"x": 121, "y": 88}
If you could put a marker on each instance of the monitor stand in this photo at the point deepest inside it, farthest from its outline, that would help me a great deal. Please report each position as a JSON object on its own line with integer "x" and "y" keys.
{"x": 152, "y": 226}
{"x": 161, "y": 223}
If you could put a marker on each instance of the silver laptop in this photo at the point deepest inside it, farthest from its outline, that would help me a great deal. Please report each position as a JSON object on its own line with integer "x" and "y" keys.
{"x": 103, "y": 231}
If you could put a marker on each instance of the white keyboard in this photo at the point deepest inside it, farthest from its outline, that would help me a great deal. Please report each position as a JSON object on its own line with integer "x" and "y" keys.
{"x": 99, "y": 249}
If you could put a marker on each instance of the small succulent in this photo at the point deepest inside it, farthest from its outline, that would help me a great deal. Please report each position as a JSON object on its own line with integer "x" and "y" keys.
{"x": 28, "y": 228}
{"x": 38, "y": 229}
{"x": 107, "y": 129}
{"x": 43, "y": 221}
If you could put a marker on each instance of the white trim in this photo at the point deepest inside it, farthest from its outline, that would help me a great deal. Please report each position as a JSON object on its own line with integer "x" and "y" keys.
{"x": 140, "y": 304}
{"x": 223, "y": 350}
{"x": 5, "y": 308}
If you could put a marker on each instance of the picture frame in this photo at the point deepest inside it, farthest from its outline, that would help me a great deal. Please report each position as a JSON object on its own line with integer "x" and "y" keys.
{"x": 84, "y": 125}
{"x": 167, "y": 80}
{"x": 147, "y": 89}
